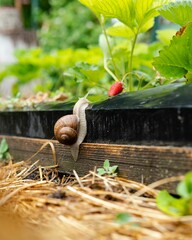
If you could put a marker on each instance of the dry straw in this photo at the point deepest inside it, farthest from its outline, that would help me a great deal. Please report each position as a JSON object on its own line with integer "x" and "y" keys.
{"x": 36, "y": 203}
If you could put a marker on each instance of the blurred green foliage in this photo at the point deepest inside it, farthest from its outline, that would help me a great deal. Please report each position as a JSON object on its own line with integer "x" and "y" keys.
{"x": 74, "y": 71}
{"x": 78, "y": 71}
{"x": 6, "y": 2}
{"x": 68, "y": 24}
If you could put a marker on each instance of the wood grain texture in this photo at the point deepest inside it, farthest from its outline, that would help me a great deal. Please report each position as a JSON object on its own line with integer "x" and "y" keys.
{"x": 140, "y": 163}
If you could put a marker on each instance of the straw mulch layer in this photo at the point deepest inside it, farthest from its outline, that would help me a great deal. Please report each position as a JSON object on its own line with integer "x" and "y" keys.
{"x": 36, "y": 203}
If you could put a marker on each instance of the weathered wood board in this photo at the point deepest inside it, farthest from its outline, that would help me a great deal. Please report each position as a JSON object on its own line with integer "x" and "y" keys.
{"x": 145, "y": 164}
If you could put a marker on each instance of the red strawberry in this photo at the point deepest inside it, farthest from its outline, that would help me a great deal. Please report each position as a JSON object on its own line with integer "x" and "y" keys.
{"x": 115, "y": 89}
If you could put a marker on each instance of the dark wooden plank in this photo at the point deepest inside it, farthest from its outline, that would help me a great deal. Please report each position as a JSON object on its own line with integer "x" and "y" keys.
{"x": 140, "y": 163}
{"x": 159, "y": 116}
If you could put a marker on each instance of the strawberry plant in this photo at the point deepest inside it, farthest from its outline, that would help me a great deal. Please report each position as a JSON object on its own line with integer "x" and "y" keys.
{"x": 107, "y": 169}
{"x": 134, "y": 17}
{"x": 175, "y": 60}
{"x": 4, "y": 151}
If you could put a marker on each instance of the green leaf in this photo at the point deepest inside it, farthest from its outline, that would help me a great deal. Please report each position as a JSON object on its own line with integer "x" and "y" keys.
{"x": 75, "y": 73}
{"x": 113, "y": 169}
{"x": 135, "y": 14}
{"x": 101, "y": 171}
{"x": 123, "y": 218}
{"x": 171, "y": 205}
{"x": 3, "y": 146}
{"x": 148, "y": 25}
{"x": 120, "y": 30}
{"x": 106, "y": 164}
{"x": 179, "y": 12}
{"x": 188, "y": 180}
{"x": 184, "y": 188}
{"x": 87, "y": 66}
{"x": 91, "y": 4}
{"x": 107, "y": 169}
{"x": 175, "y": 60}
{"x": 7, "y": 155}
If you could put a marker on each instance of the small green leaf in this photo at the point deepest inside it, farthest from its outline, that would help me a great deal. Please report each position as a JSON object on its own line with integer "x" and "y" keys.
{"x": 106, "y": 164}
{"x": 3, "y": 146}
{"x": 123, "y": 218}
{"x": 87, "y": 66}
{"x": 75, "y": 73}
{"x": 7, "y": 155}
{"x": 171, "y": 205}
{"x": 179, "y": 12}
{"x": 113, "y": 169}
{"x": 107, "y": 169}
{"x": 101, "y": 171}
{"x": 184, "y": 188}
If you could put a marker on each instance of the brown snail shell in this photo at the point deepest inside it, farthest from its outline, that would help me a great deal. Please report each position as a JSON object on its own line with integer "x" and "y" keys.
{"x": 66, "y": 129}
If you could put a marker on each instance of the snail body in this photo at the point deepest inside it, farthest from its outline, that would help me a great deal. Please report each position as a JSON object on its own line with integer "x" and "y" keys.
{"x": 72, "y": 129}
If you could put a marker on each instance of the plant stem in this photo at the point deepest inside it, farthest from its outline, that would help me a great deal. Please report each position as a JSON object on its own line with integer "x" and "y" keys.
{"x": 109, "y": 71}
{"x": 115, "y": 76}
{"x": 130, "y": 64}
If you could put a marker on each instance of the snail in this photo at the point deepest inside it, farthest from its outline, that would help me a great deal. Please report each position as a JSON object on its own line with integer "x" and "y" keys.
{"x": 72, "y": 129}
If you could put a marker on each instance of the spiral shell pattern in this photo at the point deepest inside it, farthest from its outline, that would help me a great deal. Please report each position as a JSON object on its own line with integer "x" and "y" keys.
{"x": 66, "y": 129}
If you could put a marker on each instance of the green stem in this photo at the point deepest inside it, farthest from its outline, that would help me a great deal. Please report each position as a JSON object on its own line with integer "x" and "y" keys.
{"x": 109, "y": 71}
{"x": 115, "y": 76}
{"x": 130, "y": 64}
